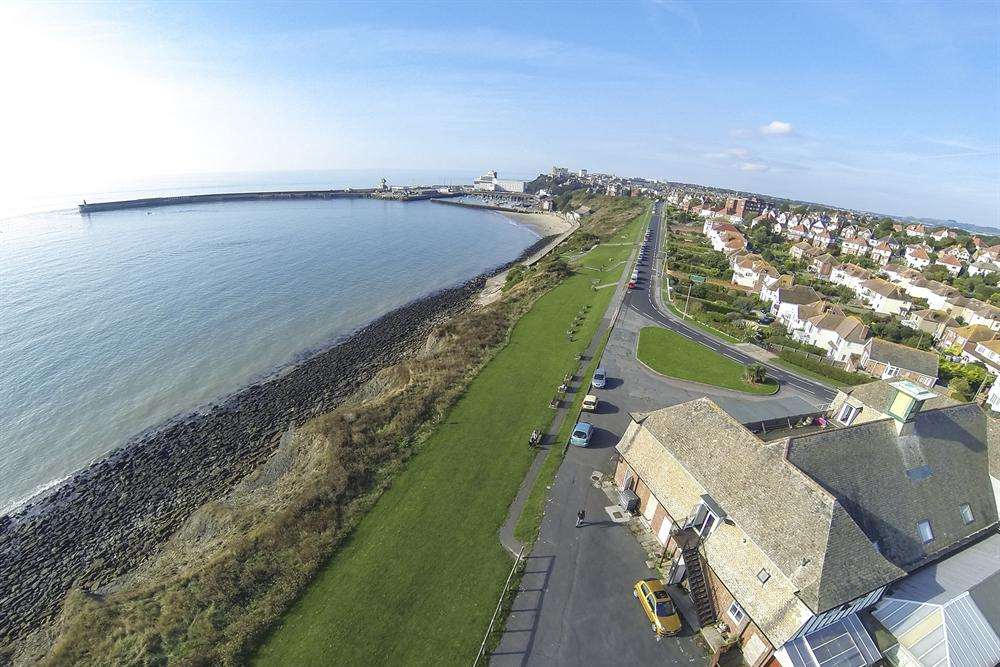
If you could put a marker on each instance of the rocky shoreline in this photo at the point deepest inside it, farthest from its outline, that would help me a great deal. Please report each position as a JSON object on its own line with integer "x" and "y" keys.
{"x": 108, "y": 518}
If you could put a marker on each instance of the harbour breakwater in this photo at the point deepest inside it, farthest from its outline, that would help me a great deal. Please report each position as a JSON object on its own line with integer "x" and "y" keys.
{"x": 108, "y": 518}
{"x": 416, "y": 195}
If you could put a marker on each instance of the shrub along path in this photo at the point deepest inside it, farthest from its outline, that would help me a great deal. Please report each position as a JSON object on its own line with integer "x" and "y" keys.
{"x": 671, "y": 354}
{"x": 419, "y": 578}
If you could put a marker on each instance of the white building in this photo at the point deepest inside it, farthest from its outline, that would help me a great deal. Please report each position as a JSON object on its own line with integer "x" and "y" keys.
{"x": 489, "y": 182}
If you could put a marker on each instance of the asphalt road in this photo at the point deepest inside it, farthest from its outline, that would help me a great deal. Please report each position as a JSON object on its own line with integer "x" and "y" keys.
{"x": 642, "y": 300}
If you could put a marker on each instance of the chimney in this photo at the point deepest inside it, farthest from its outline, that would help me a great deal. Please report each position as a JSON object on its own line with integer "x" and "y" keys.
{"x": 905, "y": 403}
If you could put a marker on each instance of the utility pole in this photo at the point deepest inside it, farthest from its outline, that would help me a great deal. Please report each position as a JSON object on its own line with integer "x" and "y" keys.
{"x": 688, "y": 298}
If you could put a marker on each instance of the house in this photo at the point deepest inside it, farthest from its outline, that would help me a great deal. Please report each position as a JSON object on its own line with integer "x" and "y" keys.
{"x": 950, "y": 262}
{"x": 929, "y": 321}
{"x": 986, "y": 353}
{"x": 822, "y": 239}
{"x": 916, "y": 230}
{"x": 724, "y": 237}
{"x": 899, "y": 274}
{"x": 769, "y": 287}
{"x": 788, "y": 541}
{"x": 957, "y": 251}
{"x": 945, "y": 613}
{"x": 881, "y": 253}
{"x": 916, "y": 257}
{"x": 850, "y": 276}
{"x": 888, "y": 361}
{"x": 980, "y": 312}
{"x": 842, "y": 337}
{"x": 884, "y": 297}
{"x": 793, "y": 305}
{"x": 993, "y": 400}
{"x": 854, "y": 246}
{"x": 964, "y": 337}
{"x": 800, "y": 250}
{"x": 749, "y": 271}
{"x": 822, "y": 265}
{"x": 982, "y": 268}
{"x": 943, "y": 233}
{"x": 797, "y": 232}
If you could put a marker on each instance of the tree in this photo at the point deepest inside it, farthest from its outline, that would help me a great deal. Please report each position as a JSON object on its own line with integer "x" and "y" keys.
{"x": 754, "y": 373}
{"x": 960, "y": 389}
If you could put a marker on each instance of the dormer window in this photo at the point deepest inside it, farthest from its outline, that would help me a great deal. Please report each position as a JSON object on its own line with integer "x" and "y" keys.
{"x": 848, "y": 413}
{"x": 924, "y": 529}
{"x": 966, "y": 511}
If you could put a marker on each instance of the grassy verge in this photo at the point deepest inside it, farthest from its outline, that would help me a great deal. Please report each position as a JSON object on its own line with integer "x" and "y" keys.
{"x": 829, "y": 373}
{"x": 419, "y": 578}
{"x": 805, "y": 372}
{"x": 674, "y": 355}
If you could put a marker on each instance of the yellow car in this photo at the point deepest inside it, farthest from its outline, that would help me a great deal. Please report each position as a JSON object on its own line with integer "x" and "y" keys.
{"x": 658, "y": 606}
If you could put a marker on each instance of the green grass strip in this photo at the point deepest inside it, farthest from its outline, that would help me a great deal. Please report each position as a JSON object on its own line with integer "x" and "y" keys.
{"x": 671, "y": 354}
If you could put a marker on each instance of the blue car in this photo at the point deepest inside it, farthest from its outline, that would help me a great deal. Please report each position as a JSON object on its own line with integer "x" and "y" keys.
{"x": 581, "y": 434}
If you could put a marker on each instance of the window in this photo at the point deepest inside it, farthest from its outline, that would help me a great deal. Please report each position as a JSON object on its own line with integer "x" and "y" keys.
{"x": 966, "y": 512}
{"x": 847, "y": 414}
{"x": 926, "y": 534}
{"x": 763, "y": 576}
{"x": 706, "y": 527}
{"x": 735, "y": 612}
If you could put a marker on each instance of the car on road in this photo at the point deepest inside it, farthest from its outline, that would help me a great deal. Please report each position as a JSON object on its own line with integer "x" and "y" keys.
{"x": 581, "y": 434}
{"x": 590, "y": 403}
{"x": 600, "y": 378}
{"x": 658, "y": 606}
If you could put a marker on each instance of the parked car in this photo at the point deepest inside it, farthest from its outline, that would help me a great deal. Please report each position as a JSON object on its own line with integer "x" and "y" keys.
{"x": 658, "y": 606}
{"x": 590, "y": 403}
{"x": 631, "y": 284}
{"x": 581, "y": 434}
{"x": 600, "y": 377}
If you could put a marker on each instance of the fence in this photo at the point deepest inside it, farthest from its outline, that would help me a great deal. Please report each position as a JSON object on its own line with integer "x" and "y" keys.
{"x": 788, "y": 422}
{"x": 496, "y": 612}
{"x": 774, "y": 347}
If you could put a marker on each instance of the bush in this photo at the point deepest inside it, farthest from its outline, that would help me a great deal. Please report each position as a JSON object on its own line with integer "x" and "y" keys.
{"x": 840, "y": 375}
{"x": 785, "y": 341}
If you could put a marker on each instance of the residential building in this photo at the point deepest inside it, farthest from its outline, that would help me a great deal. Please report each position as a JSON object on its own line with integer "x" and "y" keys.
{"x": 916, "y": 230}
{"x": 842, "y": 337}
{"x": 740, "y": 206}
{"x": 957, "y": 251}
{"x": 965, "y": 337}
{"x": 993, "y": 401}
{"x": 850, "y": 276}
{"x": 943, "y": 233}
{"x": 769, "y": 287}
{"x": 822, "y": 265}
{"x": 986, "y": 353}
{"x": 982, "y": 268}
{"x": 890, "y": 361}
{"x": 929, "y": 321}
{"x": 950, "y": 262}
{"x": 793, "y": 305}
{"x": 797, "y": 232}
{"x": 854, "y": 246}
{"x": 800, "y": 250}
{"x": 881, "y": 253}
{"x": 788, "y": 541}
{"x": 822, "y": 239}
{"x": 749, "y": 271}
{"x": 917, "y": 257}
{"x": 884, "y": 297}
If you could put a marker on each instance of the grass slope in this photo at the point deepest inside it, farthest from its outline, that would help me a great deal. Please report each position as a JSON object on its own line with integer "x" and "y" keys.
{"x": 419, "y": 578}
{"x": 674, "y": 355}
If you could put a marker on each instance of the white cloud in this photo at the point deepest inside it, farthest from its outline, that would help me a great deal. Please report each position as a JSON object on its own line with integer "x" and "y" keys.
{"x": 776, "y": 127}
{"x": 753, "y": 166}
{"x": 729, "y": 153}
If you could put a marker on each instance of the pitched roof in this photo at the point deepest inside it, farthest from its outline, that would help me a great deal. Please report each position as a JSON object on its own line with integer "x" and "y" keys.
{"x": 884, "y": 288}
{"x": 974, "y": 333}
{"x": 903, "y": 356}
{"x": 803, "y": 529}
{"x": 825, "y": 258}
{"x": 798, "y": 295}
{"x": 849, "y": 328}
{"x": 949, "y": 259}
{"x": 889, "y": 480}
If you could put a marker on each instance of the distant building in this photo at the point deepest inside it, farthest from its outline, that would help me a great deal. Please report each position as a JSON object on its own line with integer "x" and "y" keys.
{"x": 740, "y": 206}
{"x": 489, "y": 182}
{"x": 558, "y": 172}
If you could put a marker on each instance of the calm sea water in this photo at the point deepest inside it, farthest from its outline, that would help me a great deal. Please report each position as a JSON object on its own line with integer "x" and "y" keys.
{"x": 112, "y": 323}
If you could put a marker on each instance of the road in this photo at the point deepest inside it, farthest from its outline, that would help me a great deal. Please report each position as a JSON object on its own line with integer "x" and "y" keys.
{"x": 643, "y": 301}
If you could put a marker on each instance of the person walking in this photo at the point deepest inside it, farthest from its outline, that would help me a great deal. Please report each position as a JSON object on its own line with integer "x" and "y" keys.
{"x": 580, "y": 517}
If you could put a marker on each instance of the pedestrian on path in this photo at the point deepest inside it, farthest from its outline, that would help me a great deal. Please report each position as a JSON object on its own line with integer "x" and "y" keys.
{"x": 580, "y": 517}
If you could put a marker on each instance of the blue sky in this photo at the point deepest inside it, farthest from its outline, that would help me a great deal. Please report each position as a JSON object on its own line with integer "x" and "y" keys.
{"x": 880, "y": 106}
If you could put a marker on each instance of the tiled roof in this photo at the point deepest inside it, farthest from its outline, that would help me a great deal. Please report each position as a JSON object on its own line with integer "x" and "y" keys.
{"x": 798, "y": 295}
{"x": 803, "y": 529}
{"x": 886, "y": 289}
{"x": 903, "y": 356}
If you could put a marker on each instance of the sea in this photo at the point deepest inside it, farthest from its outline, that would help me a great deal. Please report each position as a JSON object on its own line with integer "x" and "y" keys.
{"x": 113, "y": 322}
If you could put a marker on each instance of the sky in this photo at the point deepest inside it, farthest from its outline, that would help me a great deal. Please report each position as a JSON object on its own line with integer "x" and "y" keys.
{"x": 887, "y": 107}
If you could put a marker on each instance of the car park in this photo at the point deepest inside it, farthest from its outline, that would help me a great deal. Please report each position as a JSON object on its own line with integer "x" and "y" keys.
{"x": 581, "y": 434}
{"x": 658, "y": 607}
